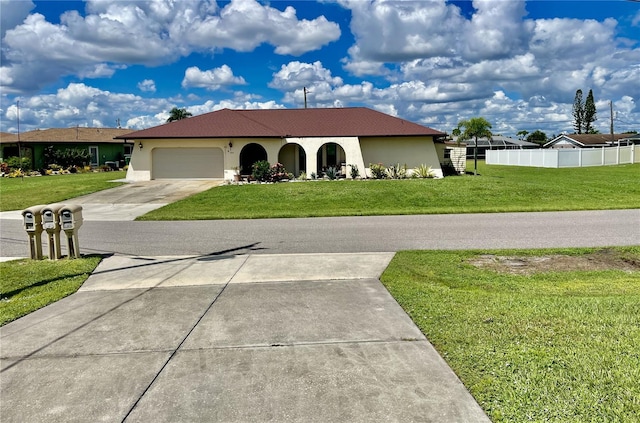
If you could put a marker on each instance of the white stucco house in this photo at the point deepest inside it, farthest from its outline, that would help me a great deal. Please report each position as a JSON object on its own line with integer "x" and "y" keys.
{"x": 589, "y": 140}
{"x": 221, "y": 143}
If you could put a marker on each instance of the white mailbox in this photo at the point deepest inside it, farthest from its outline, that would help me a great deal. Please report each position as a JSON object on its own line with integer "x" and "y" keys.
{"x": 51, "y": 224}
{"x": 70, "y": 222}
{"x": 32, "y": 220}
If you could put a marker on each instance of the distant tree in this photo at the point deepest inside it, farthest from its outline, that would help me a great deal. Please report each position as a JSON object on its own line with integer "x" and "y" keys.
{"x": 537, "y": 137}
{"x": 578, "y": 112}
{"x": 178, "y": 114}
{"x": 589, "y": 114}
{"x": 475, "y": 128}
{"x": 522, "y": 134}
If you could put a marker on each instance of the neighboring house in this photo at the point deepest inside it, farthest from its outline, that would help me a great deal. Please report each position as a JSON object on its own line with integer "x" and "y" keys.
{"x": 99, "y": 142}
{"x": 221, "y": 143}
{"x": 497, "y": 142}
{"x": 588, "y": 140}
{"x": 630, "y": 139}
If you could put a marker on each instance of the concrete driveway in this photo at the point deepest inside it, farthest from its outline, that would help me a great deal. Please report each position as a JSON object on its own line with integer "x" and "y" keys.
{"x": 233, "y": 338}
{"x": 126, "y": 202}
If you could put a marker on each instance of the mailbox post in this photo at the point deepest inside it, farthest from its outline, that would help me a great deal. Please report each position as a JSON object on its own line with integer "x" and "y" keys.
{"x": 70, "y": 221}
{"x": 33, "y": 227}
{"x": 51, "y": 224}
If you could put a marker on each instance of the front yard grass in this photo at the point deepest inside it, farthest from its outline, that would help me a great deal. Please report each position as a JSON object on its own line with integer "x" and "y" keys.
{"x": 19, "y": 193}
{"x": 27, "y": 285}
{"x": 497, "y": 189}
{"x": 535, "y": 335}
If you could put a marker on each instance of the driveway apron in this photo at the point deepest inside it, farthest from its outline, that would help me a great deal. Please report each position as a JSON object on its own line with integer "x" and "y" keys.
{"x": 234, "y": 338}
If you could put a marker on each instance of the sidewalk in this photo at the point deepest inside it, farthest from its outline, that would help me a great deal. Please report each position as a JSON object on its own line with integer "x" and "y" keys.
{"x": 308, "y": 338}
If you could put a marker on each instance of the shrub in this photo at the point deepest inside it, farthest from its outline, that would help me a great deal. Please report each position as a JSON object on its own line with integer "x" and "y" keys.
{"x": 261, "y": 171}
{"x": 423, "y": 171}
{"x": 332, "y": 173}
{"x": 397, "y": 171}
{"x": 378, "y": 171}
{"x": 66, "y": 158}
{"x": 303, "y": 176}
{"x": 17, "y": 163}
{"x": 4, "y": 168}
{"x": 278, "y": 173}
{"x": 354, "y": 172}
{"x": 314, "y": 176}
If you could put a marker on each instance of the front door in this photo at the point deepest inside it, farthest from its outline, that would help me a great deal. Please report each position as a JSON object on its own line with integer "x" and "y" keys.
{"x": 95, "y": 158}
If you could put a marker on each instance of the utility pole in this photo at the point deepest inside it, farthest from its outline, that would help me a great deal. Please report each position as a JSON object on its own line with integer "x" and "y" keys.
{"x": 305, "y": 97}
{"x": 611, "y": 107}
{"x": 19, "y": 144}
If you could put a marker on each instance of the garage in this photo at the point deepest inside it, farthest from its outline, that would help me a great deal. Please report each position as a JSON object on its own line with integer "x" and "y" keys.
{"x": 187, "y": 163}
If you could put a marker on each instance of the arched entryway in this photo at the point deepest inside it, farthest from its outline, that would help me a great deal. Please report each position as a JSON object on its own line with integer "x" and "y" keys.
{"x": 293, "y": 158}
{"x": 250, "y": 154}
{"x": 330, "y": 155}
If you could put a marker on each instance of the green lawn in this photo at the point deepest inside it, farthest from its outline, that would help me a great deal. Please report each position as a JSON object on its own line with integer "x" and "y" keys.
{"x": 18, "y": 193}
{"x": 27, "y": 285}
{"x": 497, "y": 189}
{"x": 551, "y": 346}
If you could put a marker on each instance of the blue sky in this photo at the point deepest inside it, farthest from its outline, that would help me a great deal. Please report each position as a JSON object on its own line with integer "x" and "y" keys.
{"x": 516, "y": 63}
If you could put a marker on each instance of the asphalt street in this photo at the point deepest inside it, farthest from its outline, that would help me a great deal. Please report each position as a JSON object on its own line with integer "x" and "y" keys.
{"x": 348, "y": 234}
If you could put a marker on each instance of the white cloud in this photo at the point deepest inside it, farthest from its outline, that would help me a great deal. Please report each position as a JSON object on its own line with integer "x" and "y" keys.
{"x": 101, "y": 70}
{"x": 496, "y": 31}
{"x": 212, "y": 79}
{"x": 147, "y": 85}
{"x": 298, "y": 75}
{"x": 420, "y": 60}
{"x": 12, "y": 13}
{"x": 79, "y": 104}
{"x": 397, "y": 31}
{"x": 242, "y": 25}
{"x": 117, "y": 33}
{"x": 83, "y": 105}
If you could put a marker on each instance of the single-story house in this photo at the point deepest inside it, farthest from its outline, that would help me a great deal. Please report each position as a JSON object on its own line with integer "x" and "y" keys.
{"x": 587, "y": 140}
{"x": 223, "y": 143}
{"x": 496, "y": 142}
{"x": 100, "y": 143}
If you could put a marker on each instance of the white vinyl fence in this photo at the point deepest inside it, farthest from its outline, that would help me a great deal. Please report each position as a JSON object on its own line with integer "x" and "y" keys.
{"x": 579, "y": 157}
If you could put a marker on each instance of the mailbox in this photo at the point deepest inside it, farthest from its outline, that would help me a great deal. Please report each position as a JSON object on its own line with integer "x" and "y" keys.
{"x": 33, "y": 226}
{"x": 71, "y": 217}
{"x": 70, "y": 222}
{"x": 51, "y": 224}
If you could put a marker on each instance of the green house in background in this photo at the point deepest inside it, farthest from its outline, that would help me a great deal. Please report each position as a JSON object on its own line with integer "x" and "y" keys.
{"x": 99, "y": 142}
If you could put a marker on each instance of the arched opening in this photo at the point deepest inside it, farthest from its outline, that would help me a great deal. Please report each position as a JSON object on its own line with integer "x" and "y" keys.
{"x": 250, "y": 154}
{"x": 330, "y": 155}
{"x": 293, "y": 157}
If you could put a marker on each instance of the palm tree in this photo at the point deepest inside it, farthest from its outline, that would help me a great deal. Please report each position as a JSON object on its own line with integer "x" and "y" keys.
{"x": 178, "y": 114}
{"x": 475, "y": 128}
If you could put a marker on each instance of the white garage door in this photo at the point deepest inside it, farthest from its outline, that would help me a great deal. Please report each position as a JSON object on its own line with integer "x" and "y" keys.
{"x": 184, "y": 163}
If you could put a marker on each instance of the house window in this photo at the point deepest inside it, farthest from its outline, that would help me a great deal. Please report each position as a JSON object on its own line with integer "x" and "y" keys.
{"x": 128, "y": 149}
{"x": 447, "y": 153}
{"x": 95, "y": 158}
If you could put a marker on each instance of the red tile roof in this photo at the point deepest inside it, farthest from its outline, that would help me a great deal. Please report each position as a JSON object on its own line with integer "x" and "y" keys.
{"x": 343, "y": 122}
{"x": 67, "y": 135}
